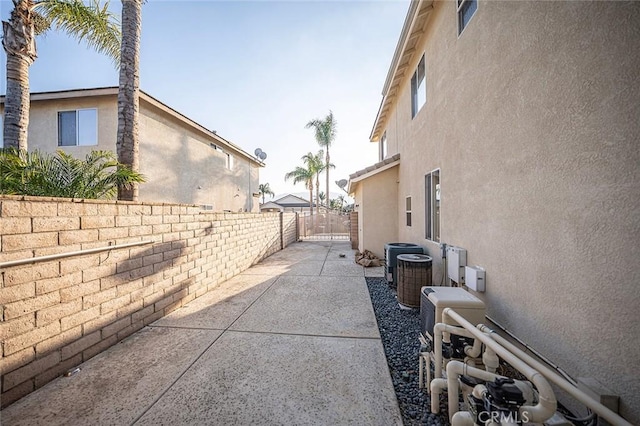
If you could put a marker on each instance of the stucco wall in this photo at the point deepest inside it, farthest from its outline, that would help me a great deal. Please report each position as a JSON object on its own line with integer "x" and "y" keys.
{"x": 532, "y": 118}
{"x": 378, "y": 211}
{"x": 178, "y": 161}
{"x": 58, "y": 313}
{"x": 186, "y": 168}
{"x": 43, "y": 124}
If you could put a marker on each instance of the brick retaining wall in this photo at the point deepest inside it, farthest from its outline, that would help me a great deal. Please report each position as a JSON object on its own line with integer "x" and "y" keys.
{"x": 57, "y": 314}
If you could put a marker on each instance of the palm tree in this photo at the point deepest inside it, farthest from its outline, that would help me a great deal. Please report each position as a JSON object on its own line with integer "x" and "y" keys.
{"x": 128, "y": 141}
{"x": 300, "y": 174}
{"x": 325, "y": 132}
{"x": 341, "y": 200}
{"x": 265, "y": 189}
{"x": 63, "y": 175}
{"x": 334, "y": 204}
{"x": 91, "y": 23}
{"x": 322, "y": 196}
{"x": 315, "y": 165}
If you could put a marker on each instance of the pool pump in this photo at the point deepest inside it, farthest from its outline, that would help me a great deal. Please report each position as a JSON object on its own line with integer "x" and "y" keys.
{"x": 499, "y": 402}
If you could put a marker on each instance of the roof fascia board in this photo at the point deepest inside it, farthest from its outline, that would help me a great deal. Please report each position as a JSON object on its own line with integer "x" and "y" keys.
{"x": 417, "y": 14}
{"x": 113, "y": 91}
{"x": 183, "y": 118}
{"x": 402, "y": 41}
{"x": 70, "y": 94}
{"x": 371, "y": 173}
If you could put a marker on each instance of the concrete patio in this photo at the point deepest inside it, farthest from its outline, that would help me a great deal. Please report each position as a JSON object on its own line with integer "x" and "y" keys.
{"x": 291, "y": 341}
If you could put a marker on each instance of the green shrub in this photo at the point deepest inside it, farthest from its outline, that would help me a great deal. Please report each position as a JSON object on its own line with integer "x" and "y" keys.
{"x": 62, "y": 175}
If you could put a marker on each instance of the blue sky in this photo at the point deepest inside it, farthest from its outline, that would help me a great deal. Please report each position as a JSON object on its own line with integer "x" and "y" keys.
{"x": 255, "y": 71}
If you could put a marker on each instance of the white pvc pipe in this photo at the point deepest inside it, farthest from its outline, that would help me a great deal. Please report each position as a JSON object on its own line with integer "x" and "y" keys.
{"x": 438, "y": 330}
{"x": 561, "y": 382}
{"x": 475, "y": 350}
{"x": 547, "y": 404}
{"x": 533, "y": 351}
{"x": 455, "y": 369}
{"x": 462, "y": 418}
{"x": 490, "y": 360}
{"x": 437, "y": 385}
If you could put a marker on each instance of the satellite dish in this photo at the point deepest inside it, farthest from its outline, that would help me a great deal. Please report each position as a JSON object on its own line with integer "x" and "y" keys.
{"x": 262, "y": 155}
{"x": 257, "y": 152}
{"x": 341, "y": 183}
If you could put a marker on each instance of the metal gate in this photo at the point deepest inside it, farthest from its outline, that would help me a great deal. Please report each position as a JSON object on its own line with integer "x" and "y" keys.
{"x": 325, "y": 225}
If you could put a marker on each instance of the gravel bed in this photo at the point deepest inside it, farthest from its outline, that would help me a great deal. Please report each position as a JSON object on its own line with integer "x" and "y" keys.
{"x": 399, "y": 329}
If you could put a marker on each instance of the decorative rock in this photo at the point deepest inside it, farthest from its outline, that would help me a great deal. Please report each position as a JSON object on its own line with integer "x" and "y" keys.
{"x": 399, "y": 330}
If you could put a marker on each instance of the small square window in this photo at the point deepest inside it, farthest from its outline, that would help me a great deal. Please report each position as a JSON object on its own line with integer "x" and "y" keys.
{"x": 466, "y": 10}
{"x": 78, "y": 127}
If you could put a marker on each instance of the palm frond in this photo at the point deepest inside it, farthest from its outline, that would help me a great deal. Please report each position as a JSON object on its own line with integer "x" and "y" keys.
{"x": 325, "y": 130}
{"x": 62, "y": 175}
{"x": 265, "y": 189}
{"x": 91, "y": 23}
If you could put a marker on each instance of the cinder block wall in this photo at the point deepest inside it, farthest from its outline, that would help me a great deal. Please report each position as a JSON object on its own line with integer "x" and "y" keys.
{"x": 58, "y": 313}
{"x": 289, "y": 228}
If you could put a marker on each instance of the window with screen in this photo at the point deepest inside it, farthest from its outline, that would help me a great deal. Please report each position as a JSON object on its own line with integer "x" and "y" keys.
{"x": 78, "y": 127}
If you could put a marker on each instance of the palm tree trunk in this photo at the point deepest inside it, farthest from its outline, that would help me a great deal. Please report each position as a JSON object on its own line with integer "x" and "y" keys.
{"x": 129, "y": 94}
{"x": 327, "y": 166}
{"x": 318, "y": 189}
{"x": 19, "y": 43}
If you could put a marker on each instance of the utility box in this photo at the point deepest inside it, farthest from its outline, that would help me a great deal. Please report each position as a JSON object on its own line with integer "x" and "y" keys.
{"x": 456, "y": 261}
{"x": 474, "y": 277}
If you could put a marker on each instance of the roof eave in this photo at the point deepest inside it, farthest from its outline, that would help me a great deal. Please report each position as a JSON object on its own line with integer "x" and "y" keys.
{"x": 413, "y": 28}
{"x": 370, "y": 171}
{"x": 113, "y": 91}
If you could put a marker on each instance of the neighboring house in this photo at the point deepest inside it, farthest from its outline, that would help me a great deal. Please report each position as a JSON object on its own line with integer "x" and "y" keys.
{"x": 270, "y": 206}
{"x": 182, "y": 161}
{"x": 516, "y": 125}
{"x": 287, "y": 203}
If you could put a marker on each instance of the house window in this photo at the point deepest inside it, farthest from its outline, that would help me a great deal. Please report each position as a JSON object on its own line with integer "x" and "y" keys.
{"x": 408, "y": 210}
{"x": 383, "y": 146}
{"x": 229, "y": 161}
{"x": 432, "y": 199}
{"x": 418, "y": 88}
{"x": 466, "y": 10}
{"x": 78, "y": 128}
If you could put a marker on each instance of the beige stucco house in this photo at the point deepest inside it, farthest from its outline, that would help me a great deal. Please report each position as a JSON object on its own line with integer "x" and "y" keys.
{"x": 511, "y": 129}
{"x": 182, "y": 161}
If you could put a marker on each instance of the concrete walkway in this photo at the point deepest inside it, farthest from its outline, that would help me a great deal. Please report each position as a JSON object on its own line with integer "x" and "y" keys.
{"x": 291, "y": 341}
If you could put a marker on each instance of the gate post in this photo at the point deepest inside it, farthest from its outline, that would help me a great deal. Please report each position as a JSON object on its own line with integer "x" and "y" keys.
{"x": 353, "y": 231}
